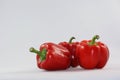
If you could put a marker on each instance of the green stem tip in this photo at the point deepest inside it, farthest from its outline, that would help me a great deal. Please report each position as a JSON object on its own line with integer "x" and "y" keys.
{"x": 93, "y": 41}
{"x": 42, "y": 53}
{"x": 34, "y": 50}
{"x": 70, "y": 41}
{"x": 31, "y": 49}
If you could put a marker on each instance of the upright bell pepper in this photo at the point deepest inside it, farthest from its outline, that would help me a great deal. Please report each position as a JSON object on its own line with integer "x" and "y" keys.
{"x": 71, "y": 46}
{"x": 52, "y": 57}
{"x": 92, "y": 54}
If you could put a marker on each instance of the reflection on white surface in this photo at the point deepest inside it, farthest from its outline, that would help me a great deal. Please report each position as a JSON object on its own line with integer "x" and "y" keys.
{"x": 110, "y": 72}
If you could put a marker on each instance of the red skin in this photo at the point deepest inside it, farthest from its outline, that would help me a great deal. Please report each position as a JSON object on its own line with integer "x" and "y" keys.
{"x": 92, "y": 56}
{"x": 72, "y": 48}
{"x": 104, "y": 56}
{"x": 57, "y": 57}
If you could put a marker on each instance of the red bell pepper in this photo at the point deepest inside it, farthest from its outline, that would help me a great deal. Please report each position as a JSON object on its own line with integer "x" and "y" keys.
{"x": 92, "y": 54}
{"x": 52, "y": 57}
{"x": 71, "y": 46}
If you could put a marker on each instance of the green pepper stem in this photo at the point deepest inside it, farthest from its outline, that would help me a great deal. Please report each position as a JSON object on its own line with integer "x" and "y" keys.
{"x": 93, "y": 42}
{"x": 33, "y": 50}
{"x": 42, "y": 53}
{"x": 70, "y": 41}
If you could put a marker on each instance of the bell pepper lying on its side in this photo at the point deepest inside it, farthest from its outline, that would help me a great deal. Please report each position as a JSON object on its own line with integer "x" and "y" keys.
{"x": 52, "y": 57}
{"x": 71, "y": 46}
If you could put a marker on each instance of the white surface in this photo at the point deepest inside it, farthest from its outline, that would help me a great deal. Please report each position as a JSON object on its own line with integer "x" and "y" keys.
{"x": 26, "y": 23}
{"x": 108, "y": 73}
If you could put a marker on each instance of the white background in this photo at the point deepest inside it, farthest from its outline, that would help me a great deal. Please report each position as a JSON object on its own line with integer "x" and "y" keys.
{"x": 26, "y": 23}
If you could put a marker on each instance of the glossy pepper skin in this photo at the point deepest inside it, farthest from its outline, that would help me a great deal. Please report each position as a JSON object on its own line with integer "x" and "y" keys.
{"x": 92, "y": 54}
{"x": 71, "y": 46}
{"x": 52, "y": 57}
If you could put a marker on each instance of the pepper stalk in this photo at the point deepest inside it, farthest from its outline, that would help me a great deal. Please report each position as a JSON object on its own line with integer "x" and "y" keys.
{"x": 93, "y": 41}
{"x": 42, "y": 53}
{"x": 70, "y": 41}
